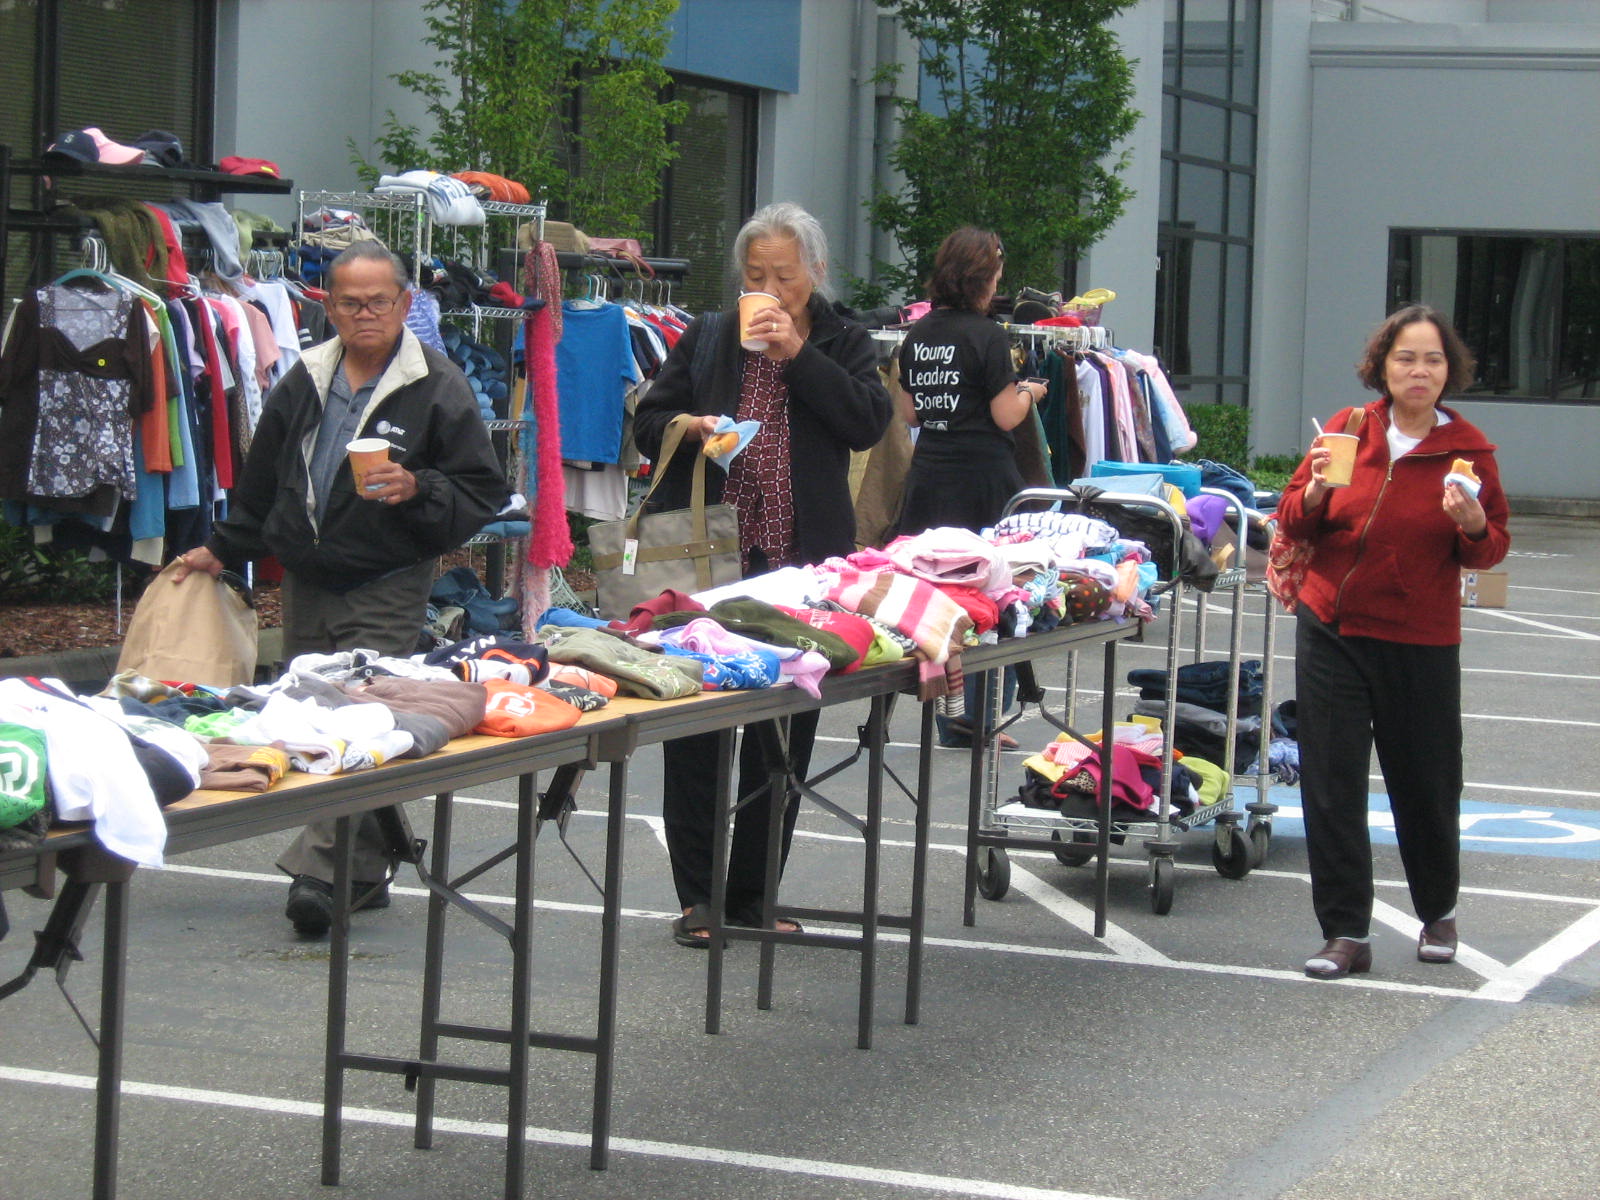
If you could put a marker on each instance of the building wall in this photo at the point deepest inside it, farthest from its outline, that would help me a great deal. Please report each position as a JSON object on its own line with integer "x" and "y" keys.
{"x": 1282, "y": 198}
{"x": 1124, "y": 260}
{"x": 1446, "y": 126}
{"x": 291, "y": 89}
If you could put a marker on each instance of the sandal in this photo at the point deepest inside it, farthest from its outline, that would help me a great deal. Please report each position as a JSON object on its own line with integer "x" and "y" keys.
{"x": 778, "y": 926}
{"x": 958, "y": 736}
{"x": 693, "y": 928}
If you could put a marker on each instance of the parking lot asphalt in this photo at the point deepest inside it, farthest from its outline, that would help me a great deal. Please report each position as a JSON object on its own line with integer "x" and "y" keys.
{"x": 1181, "y": 1056}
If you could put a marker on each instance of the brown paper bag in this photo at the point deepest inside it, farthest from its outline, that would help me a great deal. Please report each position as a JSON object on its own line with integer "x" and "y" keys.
{"x": 199, "y": 631}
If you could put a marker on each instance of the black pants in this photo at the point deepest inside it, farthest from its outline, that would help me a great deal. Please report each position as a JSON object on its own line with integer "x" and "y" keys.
{"x": 1352, "y": 694}
{"x": 385, "y": 615}
{"x": 688, "y": 810}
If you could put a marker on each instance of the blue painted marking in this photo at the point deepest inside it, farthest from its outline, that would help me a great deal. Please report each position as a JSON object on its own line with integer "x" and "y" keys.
{"x": 1485, "y": 828}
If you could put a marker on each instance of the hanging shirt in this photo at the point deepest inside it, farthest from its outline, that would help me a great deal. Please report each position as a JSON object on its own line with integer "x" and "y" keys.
{"x": 594, "y": 365}
{"x": 75, "y": 373}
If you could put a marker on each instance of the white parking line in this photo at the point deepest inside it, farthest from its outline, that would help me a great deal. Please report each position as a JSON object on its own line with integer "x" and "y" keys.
{"x": 1571, "y": 633}
{"x": 699, "y": 1155}
{"x": 1502, "y": 983}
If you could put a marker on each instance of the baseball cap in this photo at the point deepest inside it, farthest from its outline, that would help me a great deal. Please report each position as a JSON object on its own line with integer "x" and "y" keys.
{"x": 162, "y": 146}
{"x": 234, "y": 165}
{"x": 90, "y": 145}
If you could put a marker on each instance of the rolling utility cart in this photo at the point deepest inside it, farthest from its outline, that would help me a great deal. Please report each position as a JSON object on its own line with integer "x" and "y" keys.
{"x": 1076, "y": 839}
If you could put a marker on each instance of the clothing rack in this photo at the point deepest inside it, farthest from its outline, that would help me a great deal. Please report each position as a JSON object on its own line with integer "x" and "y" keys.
{"x": 1069, "y": 337}
{"x": 673, "y": 268}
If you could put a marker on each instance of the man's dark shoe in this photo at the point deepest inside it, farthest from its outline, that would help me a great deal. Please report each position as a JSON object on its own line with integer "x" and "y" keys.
{"x": 310, "y": 906}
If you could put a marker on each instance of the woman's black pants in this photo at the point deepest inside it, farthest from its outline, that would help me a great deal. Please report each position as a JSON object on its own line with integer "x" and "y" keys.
{"x": 1353, "y": 694}
{"x": 689, "y": 805}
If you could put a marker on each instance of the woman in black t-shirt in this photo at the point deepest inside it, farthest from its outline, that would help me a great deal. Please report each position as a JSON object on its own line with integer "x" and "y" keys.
{"x": 959, "y": 391}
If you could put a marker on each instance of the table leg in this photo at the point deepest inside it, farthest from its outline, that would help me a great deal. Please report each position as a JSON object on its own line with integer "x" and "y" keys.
{"x": 919, "y": 866}
{"x": 521, "y": 987}
{"x": 610, "y": 952}
{"x": 1108, "y": 718}
{"x": 719, "y": 877}
{"x": 433, "y": 970}
{"x": 975, "y": 778}
{"x": 113, "y": 1002}
{"x": 338, "y": 995}
{"x": 776, "y": 737}
{"x": 873, "y": 844}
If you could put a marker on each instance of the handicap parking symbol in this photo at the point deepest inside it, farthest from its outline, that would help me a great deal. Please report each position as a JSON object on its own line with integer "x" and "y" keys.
{"x": 1488, "y": 828}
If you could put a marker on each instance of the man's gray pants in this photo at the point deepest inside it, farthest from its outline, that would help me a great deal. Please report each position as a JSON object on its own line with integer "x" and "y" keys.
{"x": 385, "y": 615}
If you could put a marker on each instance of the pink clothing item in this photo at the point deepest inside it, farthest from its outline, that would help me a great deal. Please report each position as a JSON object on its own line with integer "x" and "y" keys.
{"x": 550, "y": 542}
{"x": 870, "y": 559}
{"x": 1121, "y": 403}
{"x": 266, "y": 344}
{"x": 950, "y": 555}
{"x": 706, "y": 635}
{"x": 1127, "y": 784}
{"x": 936, "y": 623}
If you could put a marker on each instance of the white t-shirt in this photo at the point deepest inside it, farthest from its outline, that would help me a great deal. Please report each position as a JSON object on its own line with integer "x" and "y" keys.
{"x": 1400, "y": 444}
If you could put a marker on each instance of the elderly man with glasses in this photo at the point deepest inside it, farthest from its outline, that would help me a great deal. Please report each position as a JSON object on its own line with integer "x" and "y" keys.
{"x": 358, "y": 563}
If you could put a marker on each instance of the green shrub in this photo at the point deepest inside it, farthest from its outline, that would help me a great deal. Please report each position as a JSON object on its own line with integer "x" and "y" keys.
{"x": 1223, "y": 431}
{"x": 578, "y": 527}
{"x": 30, "y": 572}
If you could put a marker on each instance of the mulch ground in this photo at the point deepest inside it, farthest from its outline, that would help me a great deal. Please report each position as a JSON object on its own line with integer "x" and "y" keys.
{"x": 28, "y": 629}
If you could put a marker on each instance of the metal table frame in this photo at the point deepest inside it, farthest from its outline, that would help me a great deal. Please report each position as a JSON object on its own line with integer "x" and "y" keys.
{"x": 610, "y": 736}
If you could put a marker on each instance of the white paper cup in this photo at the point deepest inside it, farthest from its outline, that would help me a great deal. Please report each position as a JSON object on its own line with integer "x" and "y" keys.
{"x": 365, "y": 453}
{"x": 751, "y": 303}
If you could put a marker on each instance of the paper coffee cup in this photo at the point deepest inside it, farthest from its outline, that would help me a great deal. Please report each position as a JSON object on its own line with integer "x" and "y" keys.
{"x": 1342, "y": 448}
{"x": 365, "y": 453}
{"x": 751, "y": 303}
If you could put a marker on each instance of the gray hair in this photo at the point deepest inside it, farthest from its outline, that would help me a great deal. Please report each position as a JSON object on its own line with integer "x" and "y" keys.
{"x": 787, "y": 220}
{"x": 370, "y": 250}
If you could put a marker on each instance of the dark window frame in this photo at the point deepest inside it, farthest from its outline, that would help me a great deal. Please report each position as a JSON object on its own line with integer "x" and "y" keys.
{"x": 1476, "y": 319}
{"x": 1178, "y": 236}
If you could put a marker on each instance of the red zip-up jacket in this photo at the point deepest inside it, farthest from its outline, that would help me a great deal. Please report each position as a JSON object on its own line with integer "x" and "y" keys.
{"x": 1387, "y": 560}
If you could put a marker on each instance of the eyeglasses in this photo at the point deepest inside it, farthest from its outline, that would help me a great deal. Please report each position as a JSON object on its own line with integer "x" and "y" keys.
{"x": 378, "y": 306}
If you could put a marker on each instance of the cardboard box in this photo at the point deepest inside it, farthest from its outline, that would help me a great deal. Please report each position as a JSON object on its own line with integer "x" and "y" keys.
{"x": 1484, "y": 589}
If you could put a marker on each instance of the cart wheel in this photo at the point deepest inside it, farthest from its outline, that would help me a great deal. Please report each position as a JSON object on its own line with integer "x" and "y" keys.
{"x": 994, "y": 872}
{"x": 1074, "y": 853}
{"x": 1260, "y": 842}
{"x": 1236, "y": 861}
{"x": 1161, "y": 871}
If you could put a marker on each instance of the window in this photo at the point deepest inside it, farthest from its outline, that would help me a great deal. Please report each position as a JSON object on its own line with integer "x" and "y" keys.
{"x": 709, "y": 189}
{"x": 1205, "y": 243}
{"x": 126, "y": 66}
{"x": 1528, "y": 304}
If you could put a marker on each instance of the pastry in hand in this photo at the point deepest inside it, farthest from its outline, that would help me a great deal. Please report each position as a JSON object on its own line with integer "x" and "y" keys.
{"x": 1463, "y": 476}
{"x": 719, "y": 444}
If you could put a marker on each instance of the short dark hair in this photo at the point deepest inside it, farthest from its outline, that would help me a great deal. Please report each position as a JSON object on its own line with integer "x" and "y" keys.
{"x": 1461, "y": 363}
{"x": 964, "y": 268}
{"x": 374, "y": 250}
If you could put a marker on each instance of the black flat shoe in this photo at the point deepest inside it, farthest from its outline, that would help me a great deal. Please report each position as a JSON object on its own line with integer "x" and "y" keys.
{"x": 1340, "y": 957}
{"x": 1437, "y": 941}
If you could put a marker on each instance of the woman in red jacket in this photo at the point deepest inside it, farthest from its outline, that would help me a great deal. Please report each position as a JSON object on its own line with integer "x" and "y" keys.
{"x": 1378, "y": 640}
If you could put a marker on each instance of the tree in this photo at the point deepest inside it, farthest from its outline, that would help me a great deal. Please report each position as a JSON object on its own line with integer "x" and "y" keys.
{"x": 563, "y": 96}
{"x": 1026, "y": 99}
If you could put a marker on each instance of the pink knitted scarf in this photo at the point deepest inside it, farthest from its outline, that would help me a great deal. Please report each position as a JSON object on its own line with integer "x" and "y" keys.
{"x": 550, "y": 542}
